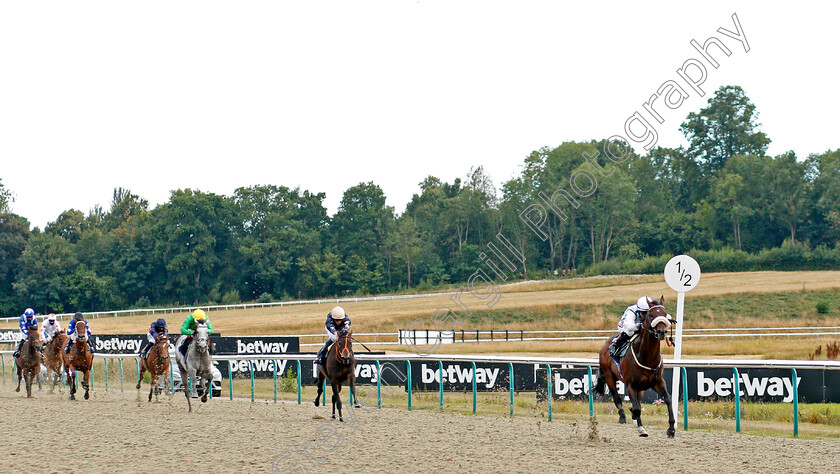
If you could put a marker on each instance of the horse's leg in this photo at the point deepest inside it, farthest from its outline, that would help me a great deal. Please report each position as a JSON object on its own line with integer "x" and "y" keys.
{"x": 20, "y": 376}
{"x": 142, "y": 371}
{"x": 71, "y": 381}
{"x": 336, "y": 388}
{"x": 320, "y": 384}
{"x": 609, "y": 379}
{"x": 85, "y": 382}
{"x": 206, "y": 384}
{"x": 662, "y": 390}
{"x": 352, "y": 383}
{"x": 636, "y": 409}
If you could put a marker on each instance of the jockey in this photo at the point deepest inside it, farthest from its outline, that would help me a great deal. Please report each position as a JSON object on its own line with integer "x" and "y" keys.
{"x": 28, "y": 321}
{"x": 156, "y": 330}
{"x": 336, "y": 320}
{"x": 71, "y": 331}
{"x": 190, "y": 324}
{"x": 50, "y": 328}
{"x": 631, "y": 322}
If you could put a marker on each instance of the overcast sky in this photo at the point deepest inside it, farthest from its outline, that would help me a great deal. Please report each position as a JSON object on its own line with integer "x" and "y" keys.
{"x": 156, "y": 96}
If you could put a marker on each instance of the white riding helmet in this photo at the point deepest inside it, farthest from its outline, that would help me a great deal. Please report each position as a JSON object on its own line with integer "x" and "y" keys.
{"x": 337, "y": 312}
{"x": 643, "y": 304}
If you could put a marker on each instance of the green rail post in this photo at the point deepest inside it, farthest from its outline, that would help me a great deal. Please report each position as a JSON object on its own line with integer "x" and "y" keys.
{"x": 549, "y": 395}
{"x": 736, "y": 389}
{"x": 378, "y": 386}
{"x": 106, "y": 373}
{"x": 408, "y": 381}
{"x": 230, "y": 378}
{"x": 171, "y": 378}
{"x": 440, "y": 374}
{"x": 121, "y": 374}
{"x": 91, "y": 376}
{"x": 510, "y": 370}
{"x": 324, "y": 393}
{"x": 275, "y": 380}
{"x": 685, "y": 398}
{"x": 251, "y": 371}
{"x": 298, "y": 380}
{"x": 795, "y": 404}
{"x": 137, "y": 366}
{"x": 473, "y": 385}
{"x": 591, "y": 385}
{"x": 3, "y": 363}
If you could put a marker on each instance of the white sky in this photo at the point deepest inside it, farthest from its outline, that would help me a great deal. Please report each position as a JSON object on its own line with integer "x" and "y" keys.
{"x": 159, "y": 95}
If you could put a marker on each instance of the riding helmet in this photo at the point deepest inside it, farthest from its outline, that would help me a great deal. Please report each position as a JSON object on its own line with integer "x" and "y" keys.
{"x": 643, "y": 304}
{"x": 199, "y": 315}
{"x": 160, "y": 323}
{"x": 337, "y": 312}
{"x": 51, "y": 317}
{"x": 79, "y": 317}
{"x": 29, "y": 313}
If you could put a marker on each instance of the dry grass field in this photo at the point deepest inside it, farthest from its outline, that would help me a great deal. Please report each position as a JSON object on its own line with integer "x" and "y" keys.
{"x": 588, "y": 296}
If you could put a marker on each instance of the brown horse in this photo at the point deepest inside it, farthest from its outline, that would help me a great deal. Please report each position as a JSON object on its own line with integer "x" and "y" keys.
{"x": 641, "y": 368}
{"x": 339, "y": 367}
{"x": 79, "y": 358}
{"x": 29, "y": 361}
{"x": 157, "y": 363}
{"x": 52, "y": 358}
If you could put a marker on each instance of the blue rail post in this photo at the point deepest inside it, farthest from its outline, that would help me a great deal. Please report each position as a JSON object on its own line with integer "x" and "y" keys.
{"x": 171, "y": 378}
{"x": 685, "y": 398}
{"x": 230, "y": 378}
{"x": 408, "y": 381}
{"x": 106, "y": 373}
{"x": 3, "y": 363}
{"x": 510, "y": 371}
{"x": 736, "y": 389}
{"x": 137, "y": 366}
{"x": 440, "y": 381}
{"x": 91, "y": 376}
{"x": 795, "y": 404}
{"x": 473, "y": 387}
{"x": 121, "y": 374}
{"x": 549, "y": 395}
{"x": 274, "y": 363}
{"x": 591, "y": 385}
{"x": 378, "y": 386}
{"x": 251, "y": 371}
{"x": 298, "y": 380}
{"x": 324, "y": 393}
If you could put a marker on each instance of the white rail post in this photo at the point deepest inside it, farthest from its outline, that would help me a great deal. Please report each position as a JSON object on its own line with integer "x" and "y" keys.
{"x": 682, "y": 273}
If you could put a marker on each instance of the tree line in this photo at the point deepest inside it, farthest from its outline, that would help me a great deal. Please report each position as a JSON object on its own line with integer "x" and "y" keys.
{"x": 721, "y": 194}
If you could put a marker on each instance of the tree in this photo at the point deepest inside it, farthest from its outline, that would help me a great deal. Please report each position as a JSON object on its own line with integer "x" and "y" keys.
{"x": 5, "y": 199}
{"x": 124, "y": 206}
{"x": 726, "y": 127}
{"x": 44, "y": 264}
{"x": 14, "y": 233}
{"x": 68, "y": 225}
{"x": 407, "y": 243}
{"x": 788, "y": 191}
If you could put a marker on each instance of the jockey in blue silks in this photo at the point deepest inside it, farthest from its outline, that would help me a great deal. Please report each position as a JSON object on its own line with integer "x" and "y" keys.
{"x": 336, "y": 320}
{"x": 71, "y": 331}
{"x": 28, "y": 321}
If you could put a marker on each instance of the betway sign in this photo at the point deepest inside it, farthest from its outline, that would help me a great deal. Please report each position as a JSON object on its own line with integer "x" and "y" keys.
{"x": 273, "y": 345}
{"x": 10, "y": 335}
{"x": 769, "y": 385}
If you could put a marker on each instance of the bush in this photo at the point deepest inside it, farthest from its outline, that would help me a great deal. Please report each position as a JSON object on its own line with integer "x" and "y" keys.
{"x": 265, "y": 298}
{"x": 823, "y": 307}
{"x": 288, "y": 381}
{"x": 143, "y": 302}
{"x": 231, "y": 297}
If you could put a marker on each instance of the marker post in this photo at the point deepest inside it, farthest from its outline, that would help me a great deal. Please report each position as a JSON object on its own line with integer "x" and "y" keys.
{"x": 682, "y": 273}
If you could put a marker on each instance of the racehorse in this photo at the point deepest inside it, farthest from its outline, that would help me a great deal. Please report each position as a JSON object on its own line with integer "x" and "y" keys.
{"x": 29, "y": 362}
{"x": 641, "y": 369}
{"x": 339, "y": 367}
{"x": 157, "y": 363}
{"x": 197, "y": 363}
{"x": 52, "y": 358}
{"x": 79, "y": 358}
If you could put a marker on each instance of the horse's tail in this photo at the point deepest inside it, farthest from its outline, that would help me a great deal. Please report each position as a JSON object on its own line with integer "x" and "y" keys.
{"x": 600, "y": 383}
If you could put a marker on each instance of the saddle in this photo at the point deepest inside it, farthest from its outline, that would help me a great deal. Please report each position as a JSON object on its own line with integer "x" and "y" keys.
{"x": 619, "y": 351}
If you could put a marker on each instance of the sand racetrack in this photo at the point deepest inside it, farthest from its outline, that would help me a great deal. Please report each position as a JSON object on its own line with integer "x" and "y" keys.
{"x": 122, "y": 432}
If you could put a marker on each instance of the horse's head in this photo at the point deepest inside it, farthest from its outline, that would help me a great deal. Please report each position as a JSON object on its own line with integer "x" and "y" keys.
{"x": 201, "y": 336}
{"x": 81, "y": 331}
{"x": 345, "y": 346}
{"x": 658, "y": 321}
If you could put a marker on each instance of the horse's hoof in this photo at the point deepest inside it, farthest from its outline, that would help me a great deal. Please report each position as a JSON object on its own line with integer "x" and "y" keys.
{"x": 72, "y": 398}
{"x": 138, "y": 386}
{"x": 358, "y": 405}
{"x": 204, "y": 399}
{"x": 87, "y": 395}
{"x": 622, "y": 421}
{"x": 341, "y": 419}
{"x": 17, "y": 389}
{"x": 670, "y": 432}
{"x": 333, "y": 417}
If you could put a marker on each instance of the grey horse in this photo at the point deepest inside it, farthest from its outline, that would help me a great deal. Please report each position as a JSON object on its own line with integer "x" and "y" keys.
{"x": 197, "y": 363}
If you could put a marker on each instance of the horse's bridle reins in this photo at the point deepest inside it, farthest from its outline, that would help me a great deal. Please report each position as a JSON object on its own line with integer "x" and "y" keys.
{"x": 650, "y": 329}
{"x": 337, "y": 352}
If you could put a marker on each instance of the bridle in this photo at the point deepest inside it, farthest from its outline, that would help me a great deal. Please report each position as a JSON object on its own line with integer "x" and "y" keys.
{"x": 650, "y": 326}
{"x": 343, "y": 355}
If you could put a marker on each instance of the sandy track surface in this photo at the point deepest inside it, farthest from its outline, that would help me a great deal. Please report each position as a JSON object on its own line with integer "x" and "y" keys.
{"x": 114, "y": 432}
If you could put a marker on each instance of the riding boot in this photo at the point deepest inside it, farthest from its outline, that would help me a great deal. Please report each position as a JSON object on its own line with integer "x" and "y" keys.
{"x": 90, "y": 346}
{"x": 67, "y": 347}
{"x": 19, "y": 347}
{"x": 616, "y": 346}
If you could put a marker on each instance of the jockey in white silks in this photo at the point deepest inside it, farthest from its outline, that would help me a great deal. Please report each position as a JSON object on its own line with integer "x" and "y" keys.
{"x": 631, "y": 322}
